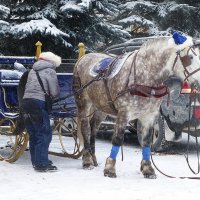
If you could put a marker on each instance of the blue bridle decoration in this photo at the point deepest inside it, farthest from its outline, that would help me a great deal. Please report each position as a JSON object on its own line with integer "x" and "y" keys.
{"x": 178, "y": 38}
{"x": 114, "y": 152}
{"x": 146, "y": 152}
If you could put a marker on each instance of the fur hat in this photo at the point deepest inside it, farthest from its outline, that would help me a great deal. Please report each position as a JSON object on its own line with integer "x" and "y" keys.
{"x": 49, "y": 56}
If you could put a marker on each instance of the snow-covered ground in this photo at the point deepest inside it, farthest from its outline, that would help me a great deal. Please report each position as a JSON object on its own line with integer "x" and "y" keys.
{"x": 18, "y": 181}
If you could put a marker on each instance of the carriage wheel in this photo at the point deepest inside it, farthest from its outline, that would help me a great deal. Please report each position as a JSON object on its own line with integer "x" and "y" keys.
{"x": 65, "y": 131}
{"x": 11, "y": 146}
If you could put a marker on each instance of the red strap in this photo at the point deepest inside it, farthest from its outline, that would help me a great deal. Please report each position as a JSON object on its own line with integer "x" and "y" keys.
{"x": 149, "y": 91}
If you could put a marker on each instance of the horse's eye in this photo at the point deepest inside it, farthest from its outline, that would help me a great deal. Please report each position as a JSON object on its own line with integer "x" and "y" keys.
{"x": 191, "y": 57}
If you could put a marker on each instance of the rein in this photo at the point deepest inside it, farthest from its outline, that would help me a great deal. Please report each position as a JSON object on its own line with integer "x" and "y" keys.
{"x": 186, "y": 155}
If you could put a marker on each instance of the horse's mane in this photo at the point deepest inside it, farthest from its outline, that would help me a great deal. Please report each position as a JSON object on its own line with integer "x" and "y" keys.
{"x": 166, "y": 43}
{"x": 154, "y": 43}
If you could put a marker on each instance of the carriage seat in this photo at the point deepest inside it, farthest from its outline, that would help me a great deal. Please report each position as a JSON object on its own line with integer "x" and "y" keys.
{"x": 115, "y": 63}
{"x": 9, "y": 80}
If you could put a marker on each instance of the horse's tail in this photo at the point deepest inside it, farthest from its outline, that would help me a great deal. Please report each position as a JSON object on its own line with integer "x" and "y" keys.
{"x": 79, "y": 134}
{"x": 76, "y": 85}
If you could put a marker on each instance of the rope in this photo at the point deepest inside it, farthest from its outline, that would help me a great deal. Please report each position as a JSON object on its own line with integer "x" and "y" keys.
{"x": 196, "y": 139}
{"x": 77, "y": 92}
{"x": 187, "y": 152}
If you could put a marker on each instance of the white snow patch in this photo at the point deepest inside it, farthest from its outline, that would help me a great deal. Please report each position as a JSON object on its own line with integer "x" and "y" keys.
{"x": 20, "y": 182}
{"x": 131, "y": 5}
{"x": 44, "y": 26}
{"x": 71, "y": 7}
{"x": 4, "y": 23}
{"x": 5, "y": 10}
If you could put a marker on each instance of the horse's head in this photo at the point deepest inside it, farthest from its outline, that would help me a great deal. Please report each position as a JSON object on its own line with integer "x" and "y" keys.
{"x": 188, "y": 56}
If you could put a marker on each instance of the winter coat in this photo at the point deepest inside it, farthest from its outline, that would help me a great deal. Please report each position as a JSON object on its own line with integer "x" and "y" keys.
{"x": 46, "y": 70}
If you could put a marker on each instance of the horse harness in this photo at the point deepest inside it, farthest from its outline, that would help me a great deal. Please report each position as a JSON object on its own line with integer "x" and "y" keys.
{"x": 186, "y": 61}
{"x": 143, "y": 90}
{"x": 136, "y": 89}
{"x": 162, "y": 90}
{"x": 104, "y": 76}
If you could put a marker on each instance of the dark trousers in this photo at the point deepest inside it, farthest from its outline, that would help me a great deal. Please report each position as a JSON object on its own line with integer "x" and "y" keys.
{"x": 37, "y": 124}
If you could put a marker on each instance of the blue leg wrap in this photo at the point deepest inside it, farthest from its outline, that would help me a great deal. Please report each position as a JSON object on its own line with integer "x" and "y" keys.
{"x": 146, "y": 152}
{"x": 114, "y": 152}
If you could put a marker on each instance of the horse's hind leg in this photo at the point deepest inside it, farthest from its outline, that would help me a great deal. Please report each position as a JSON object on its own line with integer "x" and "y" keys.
{"x": 117, "y": 141}
{"x": 87, "y": 160}
{"x": 95, "y": 122}
{"x": 146, "y": 168}
{"x": 83, "y": 123}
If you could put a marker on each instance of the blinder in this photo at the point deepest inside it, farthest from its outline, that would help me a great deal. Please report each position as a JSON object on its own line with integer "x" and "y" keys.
{"x": 186, "y": 61}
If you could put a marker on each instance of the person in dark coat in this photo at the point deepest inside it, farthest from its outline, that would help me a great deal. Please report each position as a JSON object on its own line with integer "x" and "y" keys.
{"x": 35, "y": 114}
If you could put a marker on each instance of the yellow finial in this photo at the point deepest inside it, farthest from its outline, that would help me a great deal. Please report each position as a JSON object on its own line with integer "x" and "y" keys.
{"x": 38, "y": 49}
{"x": 81, "y": 50}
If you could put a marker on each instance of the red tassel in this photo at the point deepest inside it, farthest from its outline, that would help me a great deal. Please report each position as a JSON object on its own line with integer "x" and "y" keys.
{"x": 185, "y": 88}
{"x": 197, "y": 113}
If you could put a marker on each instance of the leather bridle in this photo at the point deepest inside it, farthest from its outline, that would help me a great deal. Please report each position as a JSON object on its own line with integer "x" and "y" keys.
{"x": 186, "y": 61}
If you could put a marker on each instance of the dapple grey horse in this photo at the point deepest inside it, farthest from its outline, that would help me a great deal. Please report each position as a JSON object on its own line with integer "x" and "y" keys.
{"x": 134, "y": 92}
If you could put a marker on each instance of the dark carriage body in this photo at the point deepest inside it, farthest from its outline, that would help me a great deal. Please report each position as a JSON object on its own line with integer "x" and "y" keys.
{"x": 9, "y": 105}
{"x": 9, "y": 81}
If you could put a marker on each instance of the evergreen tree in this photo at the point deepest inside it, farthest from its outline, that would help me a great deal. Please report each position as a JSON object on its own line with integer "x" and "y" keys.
{"x": 61, "y": 24}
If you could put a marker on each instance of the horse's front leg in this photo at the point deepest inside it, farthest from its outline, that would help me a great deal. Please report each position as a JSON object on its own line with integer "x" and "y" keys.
{"x": 117, "y": 141}
{"x": 146, "y": 168}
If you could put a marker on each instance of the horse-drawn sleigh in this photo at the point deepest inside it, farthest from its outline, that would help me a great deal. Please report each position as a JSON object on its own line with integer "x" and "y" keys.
{"x": 128, "y": 87}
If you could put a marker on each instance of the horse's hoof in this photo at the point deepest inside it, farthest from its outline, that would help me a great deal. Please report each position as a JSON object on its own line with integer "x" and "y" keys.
{"x": 110, "y": 174}
{"x": 88, "y": 167}
{"x": 150, "y": 176}
{"x": 109, "y": 169}
{"x": 95, "y": 164}
{"x": 94, "y": 160}
{"x": 147, "y": 170}
{"x": 87, "y": 161}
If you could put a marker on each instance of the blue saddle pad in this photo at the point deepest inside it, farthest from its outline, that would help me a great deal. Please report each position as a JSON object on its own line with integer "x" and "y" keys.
{"x": 102, "y": 65}
{"x": 105, "y": 62}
